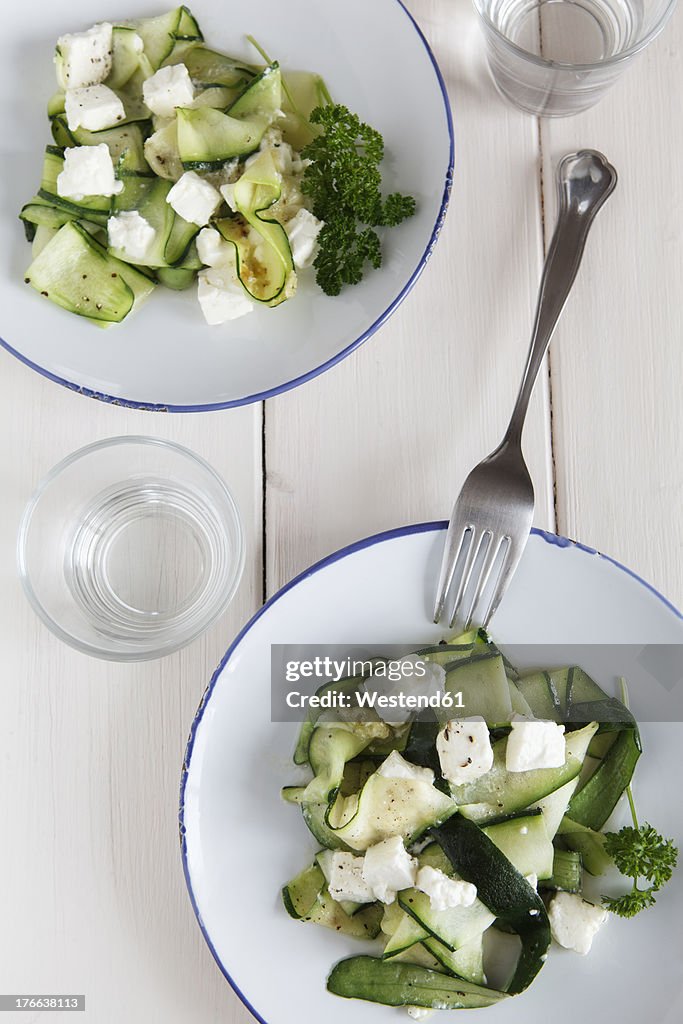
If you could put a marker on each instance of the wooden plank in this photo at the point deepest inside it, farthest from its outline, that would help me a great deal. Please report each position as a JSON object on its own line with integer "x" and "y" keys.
{"x": 92, "y": 750}
{"x": 388, "y": 436}
{"x": 617, "y": 359}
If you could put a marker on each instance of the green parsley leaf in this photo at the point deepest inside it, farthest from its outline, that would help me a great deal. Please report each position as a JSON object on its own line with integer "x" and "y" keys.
{"x": 642, "y": 853}
{"x": 631, "y": 903}
{"x": 639, "y": 852}
{"x": 344, "y": 182}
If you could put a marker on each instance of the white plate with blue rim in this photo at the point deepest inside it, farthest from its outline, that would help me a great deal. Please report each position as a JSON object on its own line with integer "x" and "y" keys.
{"x": 241, "y": 842}
{"x": 375, "y": 61}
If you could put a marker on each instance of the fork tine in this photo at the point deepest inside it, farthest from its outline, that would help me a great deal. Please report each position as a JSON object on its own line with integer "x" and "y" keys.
{"x": 463, "y": 583}
{"x": 449, "y": 561}
{"x": 513, "y": 554}
{"x": 492, "y": 553}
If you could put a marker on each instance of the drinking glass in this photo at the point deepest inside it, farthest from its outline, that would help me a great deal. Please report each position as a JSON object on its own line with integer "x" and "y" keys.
{"x": 559, "y": 57}
{"x": 130, "y": 548}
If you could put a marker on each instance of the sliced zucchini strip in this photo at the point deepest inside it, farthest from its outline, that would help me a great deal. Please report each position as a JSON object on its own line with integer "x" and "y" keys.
{"x": 210, "y": 68}
{"x": 208, "y": 137}
{"x": 404, "y": 984}
{"x": 500, "y": 792}
{"x": 502, "y": 889}
{"x": 567, "y": 868}
{"x": 592, "y": 805}
{"x": 300, "y": 894}
{"x": 178, "y": 279}
{"x": 75, "y": 272}
{"x": 388, "y": 807}
{"x": 313, "y": 714}
{"x": 125, "y": 56}
{"x": 161, "y": 35}
{"x": 330, "y": 914}
{"x": 328, "y": 753}
{"x": 267, "y": 272}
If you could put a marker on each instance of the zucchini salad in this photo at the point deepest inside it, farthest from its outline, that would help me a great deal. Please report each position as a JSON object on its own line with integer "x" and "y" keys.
{"x": 173, "y": 164}
{"x": 436, "y": 830}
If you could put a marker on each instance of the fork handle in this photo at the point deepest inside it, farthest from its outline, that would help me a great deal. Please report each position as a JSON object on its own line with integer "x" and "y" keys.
{"x": 585, "y": 180}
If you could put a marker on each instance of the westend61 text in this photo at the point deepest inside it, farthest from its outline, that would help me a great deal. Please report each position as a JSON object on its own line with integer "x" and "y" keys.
{"x": 367, "y": 699}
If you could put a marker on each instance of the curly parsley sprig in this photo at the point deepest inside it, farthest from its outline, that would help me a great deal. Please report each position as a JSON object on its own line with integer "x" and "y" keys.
{"x": 639, "y": 852}
{"x": 343, "y": 182}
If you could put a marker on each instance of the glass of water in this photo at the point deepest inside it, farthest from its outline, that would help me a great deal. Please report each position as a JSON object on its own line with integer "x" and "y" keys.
{"x": 559, "y": 57}
{"x": 130, "y": 548}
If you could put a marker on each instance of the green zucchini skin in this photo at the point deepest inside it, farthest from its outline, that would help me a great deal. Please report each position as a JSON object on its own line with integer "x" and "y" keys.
{"x": 75, "y": 272}
{"x": 566, "y": 876}
{"x": 301, "y": 892}
{"x": 588, "y": 843}
{"x": 403, "y": 984}
{"x": 421, "y": 750}
{"x": 313, "y": 714}
{"x": 594, "y": 803}
{"x": 502, "y": 889}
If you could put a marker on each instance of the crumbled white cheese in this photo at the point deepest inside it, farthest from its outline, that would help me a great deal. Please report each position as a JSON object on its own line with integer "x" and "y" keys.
{"x": 388, "y": 868}
{"x": 396, "y": 767}
{"x": 194, "y": 199}
{"x": 221, "y": 295}
{"x": 574, "y": 922}
{"x": 419, "y": 1012}
{"x": 464, "y": 749}
{"x": 534, "y": 744}
{"x": 212, "y": 248}
{"x": 444, "y": 892}
{"x": 88, "y": 171}
{"x": 303, "y": 230}
{"x": 131, "y": 234}
{"x": 168, "y": 88}
{"x": 93, "y": 107}
{"x": 84, "y": 58}
{"x": 532, "y": 879}
{"x": 346, "y": 880}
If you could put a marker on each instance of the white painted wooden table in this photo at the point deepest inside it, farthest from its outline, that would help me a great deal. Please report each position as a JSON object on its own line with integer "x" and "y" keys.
{"x": 92, "y": 897}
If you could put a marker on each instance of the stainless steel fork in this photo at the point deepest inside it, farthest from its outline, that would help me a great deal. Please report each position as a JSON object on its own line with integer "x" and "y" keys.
{"x": 492, "y": 516}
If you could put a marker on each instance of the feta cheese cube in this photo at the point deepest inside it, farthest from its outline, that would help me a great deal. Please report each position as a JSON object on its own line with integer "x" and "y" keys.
{"x": 194, "y": 199}
{"x": 419, "y": 1012}
{"x": 575, "y": 922}
{"x": 167, "y": 89}
{"x": 464, "y": 749}
{"x": 346, "y": 880}
{"x": 212, "y": 248}
{"x": 84, "y": 58}
{"x": 221, "y": 296}
{"x": 93, "y": 107}
{"x": 303, "y": 230}
{"x": 444, "y": 892}
{"x": 131, "y": 234}
{"x": 396, "y": 767}
{"x": 532, "y": 879}
{"x": 534, "y": 744}
{"x": 388, "y": 868}
{"x": 88, "y": 171}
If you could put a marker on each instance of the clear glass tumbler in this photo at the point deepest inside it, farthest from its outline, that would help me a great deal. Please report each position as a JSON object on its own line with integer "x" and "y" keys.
{"x": 130, "y": 548}
{"x": 558, "y": 57}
